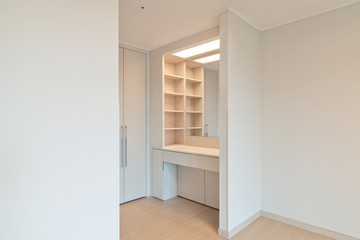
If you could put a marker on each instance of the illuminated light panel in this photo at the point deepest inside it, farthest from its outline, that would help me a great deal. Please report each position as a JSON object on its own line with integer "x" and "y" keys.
{"x": 211, "y": 58}
{"x": 203, "y": 48}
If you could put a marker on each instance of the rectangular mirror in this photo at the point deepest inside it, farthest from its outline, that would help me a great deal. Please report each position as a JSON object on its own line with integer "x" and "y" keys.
{"x": 211, "y": 99}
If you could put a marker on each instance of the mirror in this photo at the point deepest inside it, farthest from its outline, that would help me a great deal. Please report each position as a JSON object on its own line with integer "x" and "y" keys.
{"x": 211, "y": 99}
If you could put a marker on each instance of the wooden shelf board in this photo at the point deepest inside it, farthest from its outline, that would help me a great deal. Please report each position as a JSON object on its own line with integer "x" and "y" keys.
{"x": 173, "y": 111}
{"x": 173, "y": 94}
{"x": 199, "y": 112}
{"x": 193, "y": 80}
{"x": 173, "y": 76}
{"x": 193, "y": 96}
{"x": 172, "y": 129}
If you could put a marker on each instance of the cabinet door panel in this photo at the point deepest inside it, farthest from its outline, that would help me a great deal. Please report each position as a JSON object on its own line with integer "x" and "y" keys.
{"x": 191, "y": 183}
{"x": 134, "y": 121}
{"x": 212, "y": 189}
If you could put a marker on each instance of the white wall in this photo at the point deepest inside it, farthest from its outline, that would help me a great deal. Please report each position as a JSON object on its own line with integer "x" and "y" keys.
{"x": 311, "y": 116}
{"x": 240, "y": 117}
{"x": 59, "y": 120}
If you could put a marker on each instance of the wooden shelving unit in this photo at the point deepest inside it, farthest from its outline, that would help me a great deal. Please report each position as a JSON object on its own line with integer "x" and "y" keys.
{"x": 194, "y": 101}
{"x": 173, "y": 100}
{"x": 182, "y": 99}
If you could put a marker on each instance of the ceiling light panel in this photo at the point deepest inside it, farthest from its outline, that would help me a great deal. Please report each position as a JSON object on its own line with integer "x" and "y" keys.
{"x": 200, "y": 49}
{"x": 211, "y": 58}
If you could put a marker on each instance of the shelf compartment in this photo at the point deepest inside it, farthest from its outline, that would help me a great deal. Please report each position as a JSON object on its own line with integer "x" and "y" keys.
{"x": 174, "y": 120}
{"x": 194, "y": 71}
{"x": 194, "y": 103}
{"x": 174, "y": 85}
{"x": 173, "y": 102}
{"x": 194, "y": 120}
{"x": 174, "y": 67}
{"x": 194, "y": 88}
{"x": 194, "y": 132}
{"x": 174, "y": 136}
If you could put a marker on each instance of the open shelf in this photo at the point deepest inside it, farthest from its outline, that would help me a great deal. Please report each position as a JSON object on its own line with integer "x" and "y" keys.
{"x": 183, "y": 99}
{"x": 194, "y": 104}
{"x": 194, "y": 132}
{"x": 194, "y": 71}
{"x": 194, "y": 120}
{"x": 173, "y": 102}
{"x": 174, "y": 67}
{"x": 194, "y": 88}
{"x": 174, "y": 136}
{"x": 174, "y": 120}
{"x": 175, "y": 85}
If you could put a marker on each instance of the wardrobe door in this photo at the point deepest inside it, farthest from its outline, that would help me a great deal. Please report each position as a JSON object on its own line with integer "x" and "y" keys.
{"x": 121, "y": 104}
{"x": 134, "y": 112}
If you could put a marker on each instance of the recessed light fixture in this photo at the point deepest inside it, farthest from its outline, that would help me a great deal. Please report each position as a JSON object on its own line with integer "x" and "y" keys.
{"x": 207, "y": 59}
{"x": 203, "y": 48}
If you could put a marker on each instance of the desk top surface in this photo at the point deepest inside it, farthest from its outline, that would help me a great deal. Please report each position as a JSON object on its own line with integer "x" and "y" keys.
{"x": 211, "y": 152}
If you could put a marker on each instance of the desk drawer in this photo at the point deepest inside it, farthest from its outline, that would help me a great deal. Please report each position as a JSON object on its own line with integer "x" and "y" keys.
{"x": 182, "y": 159}
{"x": 206, "y": 163}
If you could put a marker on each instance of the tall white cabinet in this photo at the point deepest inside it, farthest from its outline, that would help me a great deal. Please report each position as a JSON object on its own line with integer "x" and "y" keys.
{"x": 132, "y": 125}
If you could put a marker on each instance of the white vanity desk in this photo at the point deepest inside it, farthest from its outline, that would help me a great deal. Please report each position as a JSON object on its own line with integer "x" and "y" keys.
{"x": 211, "y": 152}
{"x": 187, "y": 171}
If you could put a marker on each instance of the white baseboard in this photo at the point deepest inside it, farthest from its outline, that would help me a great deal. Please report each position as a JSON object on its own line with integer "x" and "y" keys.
{"x": 229, "y": 234}
{"x": 307, "y": 227}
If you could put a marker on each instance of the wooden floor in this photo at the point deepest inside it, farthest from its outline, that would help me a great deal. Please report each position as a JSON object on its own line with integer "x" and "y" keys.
{"x": 181, "y": 219}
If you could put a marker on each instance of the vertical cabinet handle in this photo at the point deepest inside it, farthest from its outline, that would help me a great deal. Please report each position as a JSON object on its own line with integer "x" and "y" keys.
{"x": 206, "y": 133}
{"x": 125, "y": 146}
{"x": 121, "y": 146}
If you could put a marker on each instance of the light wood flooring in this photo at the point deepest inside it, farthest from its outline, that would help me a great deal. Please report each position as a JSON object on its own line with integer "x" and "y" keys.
{"x": 181, "y": 219}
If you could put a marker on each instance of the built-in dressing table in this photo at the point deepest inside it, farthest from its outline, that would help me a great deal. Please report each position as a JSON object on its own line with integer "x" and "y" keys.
{"x": 184, "y": 162}
{"x": 191, "y": 172}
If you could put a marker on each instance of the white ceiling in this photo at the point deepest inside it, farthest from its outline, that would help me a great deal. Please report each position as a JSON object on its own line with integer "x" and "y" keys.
{"x": 165, "y": 21}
